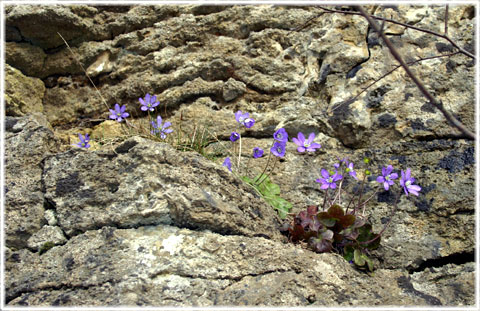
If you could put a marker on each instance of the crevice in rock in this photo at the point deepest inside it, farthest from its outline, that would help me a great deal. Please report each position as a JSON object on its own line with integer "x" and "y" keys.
{"x": 228, "y": 278}
{"x": 406, "y": 284}
{"x": 60, "y": 287}
{"x": 446, "y": 136}
{"x": 358, "y": 66}
{"x": 455, "y": 259}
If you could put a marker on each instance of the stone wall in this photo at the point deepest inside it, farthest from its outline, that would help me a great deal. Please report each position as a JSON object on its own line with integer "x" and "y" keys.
{"x": 137, "y": 222}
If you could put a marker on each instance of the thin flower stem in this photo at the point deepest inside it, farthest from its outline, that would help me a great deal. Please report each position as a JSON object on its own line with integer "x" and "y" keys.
{"x": 325, "y": 199}
{"x": 271, "y": 171}
{"x": 268, "y": 161}
{"x": 361, "y": 193}
{"x": 353, "y": 196}
{"x": 78, "y": 62}
{"x": 239, "y": 151}
{"x": 366, "y": 201}
{"x": 388, "y": 223}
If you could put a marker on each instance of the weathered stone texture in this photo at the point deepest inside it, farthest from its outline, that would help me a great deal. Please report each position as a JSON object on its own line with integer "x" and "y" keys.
{"x": 133, "y": 221}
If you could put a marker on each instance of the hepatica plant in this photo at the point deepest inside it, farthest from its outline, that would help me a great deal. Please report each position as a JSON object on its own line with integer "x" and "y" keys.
{"x": 338, "y": 222}
{"x": 158, "y": 128}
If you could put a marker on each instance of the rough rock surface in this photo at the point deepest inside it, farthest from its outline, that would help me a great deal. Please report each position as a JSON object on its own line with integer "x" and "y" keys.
{"x": 146, "y": 183}
{"x": 27, "y": 141}
{"x": 164, "y": 265}
{"x": 162, "y": 227}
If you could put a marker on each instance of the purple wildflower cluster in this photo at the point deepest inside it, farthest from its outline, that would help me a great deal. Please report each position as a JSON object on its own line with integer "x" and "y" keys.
{"x": 330, "y": 178}
{"x": 280, "y": 137}
{"x": 118, "y": 113}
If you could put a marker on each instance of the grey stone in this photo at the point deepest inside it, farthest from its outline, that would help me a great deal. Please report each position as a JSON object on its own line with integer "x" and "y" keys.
{"x": 296, "y": 65}
{"x": 147, "y": 183}
{"x": 48, "y": 234}
{"x": 27, "y": 141}
{"x": 169, "y": 266}
{"x": 23, "y": 94}
{"x": 233, "y": 89}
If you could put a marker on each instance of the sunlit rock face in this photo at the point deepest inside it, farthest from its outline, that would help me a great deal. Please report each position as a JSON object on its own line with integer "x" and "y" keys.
{"x": 134, "y": 221}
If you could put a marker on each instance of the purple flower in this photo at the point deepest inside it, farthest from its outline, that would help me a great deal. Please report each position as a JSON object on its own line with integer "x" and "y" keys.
{"x": 329, "y": 181}
{"x": 278, "y": 149}
{"x": 159, "y": 128}
{"x": 406, "y": 181}
{"x": 244, "y": 119}
{"x": 281, "y": 135}
{"x": 350, "y": 170}
{"x": 388, "y": 176}
{"x": 149, "y": 103}
{"x": 227, "y": 163}
{"x": 303, "y": 145}
{"x": 234, "y": 136}
{"x": 240, "y": 117}
{"x": 119, "y": 113}
{"x": 257, "y": 152}
{"x": 249, "y": 122}
{"x": 83, "y": 141}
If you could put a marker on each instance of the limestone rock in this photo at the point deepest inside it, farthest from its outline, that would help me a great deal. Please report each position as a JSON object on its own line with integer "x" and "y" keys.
{"x": 26, "y": 57}
{"x": 295, "y": 67}
{"x": 27, "y": 141}
{"x": 23, "y": 94}
{"x": 232, "y": 89}
{"x": 168, "y": 266}
{"x": 46, "y": 235}
{"x": 147, "y": 183}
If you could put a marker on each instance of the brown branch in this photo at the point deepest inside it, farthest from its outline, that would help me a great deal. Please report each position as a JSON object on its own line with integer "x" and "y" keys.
{"x": 446, "y": 20}
{"x": 398, "y": 66}
{"x": 450, "y": 118}
{"x": 443, "y": 36}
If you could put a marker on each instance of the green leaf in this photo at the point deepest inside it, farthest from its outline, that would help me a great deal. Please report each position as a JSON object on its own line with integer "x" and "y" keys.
{"x": 272, "y": 188}
{"x": 336, "y": 211}
{"x": 327, "y": 235}
{"x": 347, "y": 220}
{"x": 375, "y": 244}
{"x": 369, "y": 262}
{"x": 280, "y": 204}
{"x": 247, "y": 179}
{"x": 326, "y": 219}
{"x": 348, "y": 253}
{"x": 358, "y": 258}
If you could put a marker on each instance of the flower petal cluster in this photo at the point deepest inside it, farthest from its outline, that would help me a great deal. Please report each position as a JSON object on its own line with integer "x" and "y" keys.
{"x": 329, "y": 180}
{"x": 159, "y": 128}
{"x": 278, "y": 149}
{"x": 406, "y": 181}
{"x": 281, "y": 135}
{"x": 350, "y": 170}
{"x": 234, "y": 136}
{"x": 387, "y": 177}
{"x": 306, "y": 145}
{"x": 83, "y": 141}
{"x": 148, "y": 103}
{"x": 227, "y": 163}
{"x": 257, "y": 152}
{"x": 118, "y": 113}
{"x": 244, "y": 119}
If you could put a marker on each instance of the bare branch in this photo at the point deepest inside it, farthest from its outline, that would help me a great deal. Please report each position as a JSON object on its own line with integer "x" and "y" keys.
{"x": 450, "y": 118}
{"x": 446, "y": 20}
{"x": 443, "y": 36}
{"x": 398, "y": 66}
